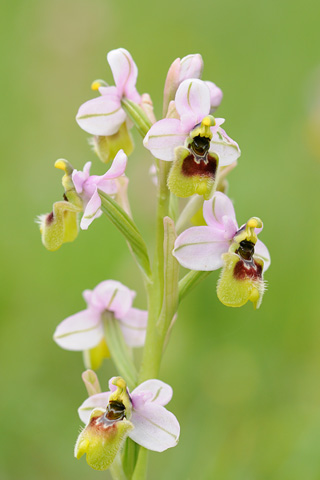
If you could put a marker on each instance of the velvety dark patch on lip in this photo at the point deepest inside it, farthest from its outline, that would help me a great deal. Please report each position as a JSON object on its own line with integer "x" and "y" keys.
{"x": 195, "y": 165}
{"x": 247, "y": 269}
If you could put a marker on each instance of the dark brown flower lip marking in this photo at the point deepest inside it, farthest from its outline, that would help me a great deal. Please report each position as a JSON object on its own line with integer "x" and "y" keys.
{"x": 245, "y": 269}
{"x": 197, "y": 165}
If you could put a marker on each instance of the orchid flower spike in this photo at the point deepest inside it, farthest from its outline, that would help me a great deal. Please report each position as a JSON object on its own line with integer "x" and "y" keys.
{"x": 111, "y": 417}
{"x": 87, "y": 186}
{"x": 61, "y": 225}
{"x": 104, "y": 116}
{"x": 194, "y": 142}
{"x": 84, "y": 331}
{"x": 221, "y": 243}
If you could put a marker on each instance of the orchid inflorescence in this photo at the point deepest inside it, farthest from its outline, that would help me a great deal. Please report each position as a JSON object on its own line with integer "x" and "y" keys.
{"x": 193, "y": 155}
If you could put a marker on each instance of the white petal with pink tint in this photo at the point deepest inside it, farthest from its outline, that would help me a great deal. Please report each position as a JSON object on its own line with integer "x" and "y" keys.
{"x": 113, "y": 296}
{"x": 102, "y": 115}
{"x": 191, "y": 66}
{"x": 100, "y": 400}
{"x": 125, "y": 73}
{"x": 80, "y": 331}
{"x": 161, "y": 392}
{"x": 216, "y": 209}
{"x": 227, "y": 149}
{"x": 91, "y": 211}
{"x": 216, "y": 96}
{"x": 118, "y": 166}
{"x": 192, "y": 102}
{"x": 163, "y": 137}
{"x": 155, "y": 428}
{"x": 200, "y": 248}
{"x": 261, "y": 251}
{"x": 134, "y": 327}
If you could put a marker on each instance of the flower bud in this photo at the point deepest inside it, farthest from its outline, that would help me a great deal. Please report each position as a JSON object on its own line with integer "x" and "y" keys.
{"x": 147, "y": 107}
{"x": 91, "y": 382}
{"x": 190, "y": 66}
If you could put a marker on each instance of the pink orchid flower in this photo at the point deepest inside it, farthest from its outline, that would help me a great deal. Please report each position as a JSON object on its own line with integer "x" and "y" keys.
{"x": 201, "y": 248}
{"x": 155, "y": 428}
{"x": 104, "y": 115}
{"x": 87, "y": 186}
{"x": 84, "y": 330}
{"x": 193, "y": 102}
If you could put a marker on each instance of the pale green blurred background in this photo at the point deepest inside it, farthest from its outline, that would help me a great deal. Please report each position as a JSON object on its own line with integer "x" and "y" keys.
{"x": 246, "y": 383}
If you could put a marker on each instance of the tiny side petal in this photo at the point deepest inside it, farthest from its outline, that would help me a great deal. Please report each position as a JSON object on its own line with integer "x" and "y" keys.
{"x": 117, "y": 168}
{"x": 91, "y": 211}
{"x": 156, "y": 428}
{"x": 215, "y": 209}
{"x": 261, "y": 250}
{"x": 161, "y": 392}
{"x": 227, "y": 149}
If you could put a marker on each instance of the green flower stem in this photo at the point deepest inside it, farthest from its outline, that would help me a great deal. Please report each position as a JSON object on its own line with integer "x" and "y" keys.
{"x": 129, "y": 457}
{"x": 189, "y": 281}
{"x": 191, "y": 208}
{"x": 137, "y": 115}
{"x": 152, "y": 352}
{"x": 141, "y": 466}
{"x": 171, "y": 277}
{"x": 116, "y": 469}
{"x": 173, "y": 207}
{"x": 156, "y": 333}
{"x": 120, "y": 353}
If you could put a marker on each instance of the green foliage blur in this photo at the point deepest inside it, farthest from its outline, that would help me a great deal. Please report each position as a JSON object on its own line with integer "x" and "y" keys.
{"x": 246, "y": 383}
